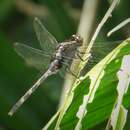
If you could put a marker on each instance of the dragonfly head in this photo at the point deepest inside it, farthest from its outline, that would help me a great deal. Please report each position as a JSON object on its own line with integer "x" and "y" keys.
{"x": 77, "y": 38}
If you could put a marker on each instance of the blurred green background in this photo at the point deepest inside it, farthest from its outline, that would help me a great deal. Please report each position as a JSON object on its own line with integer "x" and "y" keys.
{"x": 61, "y": 18}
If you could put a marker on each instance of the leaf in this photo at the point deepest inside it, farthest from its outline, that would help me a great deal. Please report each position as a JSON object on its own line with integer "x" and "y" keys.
{"x": 90, "y": 102}
{"x": 119, "y": 113}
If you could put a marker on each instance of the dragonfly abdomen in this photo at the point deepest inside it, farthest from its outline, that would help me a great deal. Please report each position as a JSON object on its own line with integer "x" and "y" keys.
{"x": 55, "y": 65}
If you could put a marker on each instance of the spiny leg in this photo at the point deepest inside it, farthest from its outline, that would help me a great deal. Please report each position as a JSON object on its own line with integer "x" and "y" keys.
{"x": 79, "y": 55}
{"x": 69, "y": 71}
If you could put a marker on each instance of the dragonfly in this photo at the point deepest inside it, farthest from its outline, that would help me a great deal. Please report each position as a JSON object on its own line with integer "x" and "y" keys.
{"x": 51, "y": 59}
{"x": 60, "y": 52}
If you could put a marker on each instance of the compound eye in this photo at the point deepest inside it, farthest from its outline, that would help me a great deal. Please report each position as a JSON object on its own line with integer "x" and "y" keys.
{"x": 73, "y": 37}
{"x": 79, "y": 39}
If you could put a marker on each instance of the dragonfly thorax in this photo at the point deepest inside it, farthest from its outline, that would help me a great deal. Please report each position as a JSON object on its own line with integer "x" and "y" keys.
{"x": 64, "y": 49}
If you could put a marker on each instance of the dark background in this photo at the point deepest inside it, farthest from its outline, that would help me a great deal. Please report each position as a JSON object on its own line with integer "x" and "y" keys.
{"x": 61, "y": 18}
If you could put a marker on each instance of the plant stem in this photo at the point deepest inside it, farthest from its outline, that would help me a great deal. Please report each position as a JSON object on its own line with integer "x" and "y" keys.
{"x": 84, "y": 29}
{"x": 119, "y": 26}
{"x": 99, "y": 27}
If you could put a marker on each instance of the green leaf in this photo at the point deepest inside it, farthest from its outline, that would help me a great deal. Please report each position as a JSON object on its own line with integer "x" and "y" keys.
{"x": 119, "y": 113}
{"x": 91, "y": 100}
{"x": 121, "y": 119}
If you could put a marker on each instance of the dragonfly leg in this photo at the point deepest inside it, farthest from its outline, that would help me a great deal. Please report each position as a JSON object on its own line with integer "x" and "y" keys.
{"x": 69, "y": 71}
{"x": 79, "y": 55}
{"x": 80, "y": 52}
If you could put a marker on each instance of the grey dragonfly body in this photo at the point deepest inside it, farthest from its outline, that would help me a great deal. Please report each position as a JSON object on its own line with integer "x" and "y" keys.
{"x": 59, "y": 54}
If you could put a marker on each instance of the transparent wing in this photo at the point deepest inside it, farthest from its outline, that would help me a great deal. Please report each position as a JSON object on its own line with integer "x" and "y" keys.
{"x": 47, "y": 41}
{"x": 100, "y": 50}
{"x": 34, "y": 57}
{"x": 106, "y": 44}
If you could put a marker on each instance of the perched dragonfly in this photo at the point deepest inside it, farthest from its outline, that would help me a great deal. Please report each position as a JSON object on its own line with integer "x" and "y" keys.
{"x": 39, "y": 59}
{"x": 52, "y": 58}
